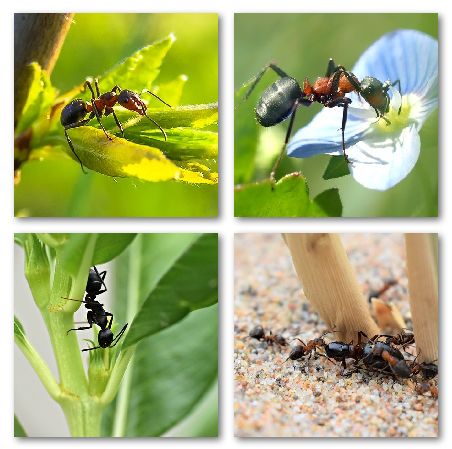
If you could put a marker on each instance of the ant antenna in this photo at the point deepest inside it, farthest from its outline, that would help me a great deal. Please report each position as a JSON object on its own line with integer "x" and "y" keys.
{"x": 158, "y": 98}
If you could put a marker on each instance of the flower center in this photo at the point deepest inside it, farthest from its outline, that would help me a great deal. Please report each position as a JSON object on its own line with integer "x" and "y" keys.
{"x": 395, "y": 122}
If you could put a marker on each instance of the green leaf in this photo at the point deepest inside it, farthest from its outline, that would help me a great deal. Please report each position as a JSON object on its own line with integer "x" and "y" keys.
{"x": 40, "y": 98}
{"x": 107, "y": 247}
{"x": 19, "y": 431}
{"x": 154, "y": 255}
{"x": 122, "y": 158}
{"x": 330, "y": 201}
{"x": 172, "y": 373}
{"x": 288, "y": 198}
{"x": 138, "y": 71}
{"x": 190, "y": 284}
{"x": 337, "y": 167}
{"x": 19, "y": 331}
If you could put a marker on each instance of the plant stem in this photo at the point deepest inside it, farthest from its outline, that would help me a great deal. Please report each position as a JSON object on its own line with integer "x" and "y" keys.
{"x": 133, "y": 287}
{"x": 330, "y": 284}
{"x": 40, "y": 367}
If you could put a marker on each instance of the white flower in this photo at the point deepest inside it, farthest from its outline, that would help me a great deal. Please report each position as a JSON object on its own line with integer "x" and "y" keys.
{"x": 380, "y": 155}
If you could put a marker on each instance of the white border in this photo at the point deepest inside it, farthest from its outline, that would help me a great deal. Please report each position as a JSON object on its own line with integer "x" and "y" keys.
{"x": 226, "y": 225}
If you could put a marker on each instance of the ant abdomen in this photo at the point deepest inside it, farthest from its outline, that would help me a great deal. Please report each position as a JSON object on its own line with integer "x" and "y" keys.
{"x": 73, "y": 112}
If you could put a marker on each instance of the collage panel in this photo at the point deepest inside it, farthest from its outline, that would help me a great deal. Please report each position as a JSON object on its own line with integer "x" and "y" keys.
{"x": 116, "y": 335}
{"x": 336, "y": 335}
{"x": 115, "y": 114}
{"x": 351, "y": 99}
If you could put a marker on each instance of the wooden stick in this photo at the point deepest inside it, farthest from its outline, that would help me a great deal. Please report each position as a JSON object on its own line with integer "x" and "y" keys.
{"x": 37, "y": 37}
{"x": 423, "y": 288}
{"x": 330, "y": 284}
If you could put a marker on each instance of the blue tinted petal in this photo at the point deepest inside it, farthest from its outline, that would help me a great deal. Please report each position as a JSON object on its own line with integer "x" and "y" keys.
{"x": 406, "y": 55}
{"x": 323, "y": 135}
{"x": 379, "y": 163}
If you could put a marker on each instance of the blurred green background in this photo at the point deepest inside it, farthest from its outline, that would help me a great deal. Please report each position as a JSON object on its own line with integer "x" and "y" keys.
{"x": 301, "y": 45}
{"x": 95, "y": 43}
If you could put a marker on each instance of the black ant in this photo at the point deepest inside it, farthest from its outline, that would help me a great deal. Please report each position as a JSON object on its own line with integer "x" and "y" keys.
{"x": 73, "y": 114}
{"x": 428, "y": 370}
{"x": 282, "y": 98}
{"x": 258, "y": 333}
{"x": 96, "y": 313}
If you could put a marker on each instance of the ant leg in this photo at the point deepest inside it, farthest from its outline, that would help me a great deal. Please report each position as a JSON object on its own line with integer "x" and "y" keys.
{"x": 90, "y": 87}
{"x": 69, "y": 141}
{"x": 90, "y": 349}
{"x": 158, "y": 98}
{"x": 351, "y": 78}
{"x": 388, "y": 84}
{"x": 344, "y": 122}
{"x": 289, "y": 132}
{"x": 90, "y": 322}
{"x": 96, "y": 84}
{"x": 96, "y": 113}
{"x": 258, "y": 77}
{"x": 331, "y": 68}
{"x": 158, "y": 126}
{"x": 102, "y": 278}
{"x": 117, "y": 338}
{"x": 118, "y": 123}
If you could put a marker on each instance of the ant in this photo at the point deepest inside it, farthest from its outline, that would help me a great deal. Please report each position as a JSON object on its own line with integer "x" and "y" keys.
{"x": 282, "y": 98}
{"x": 258, "y": 333}
{"x": 73, "y": 114}
{"x": 300, "y": 351}
{"x": 428, "y": 370}
{"x": 403, "y": 339}
{"x": 96, "y": 313}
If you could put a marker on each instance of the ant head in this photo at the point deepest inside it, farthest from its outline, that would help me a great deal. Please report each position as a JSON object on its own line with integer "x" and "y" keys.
{"x": 373, "y": 91}
{"x": 73, "y": 112}
{"x": 257, "y": 332}
{"x": 105, "y": 338}
{"x": 130, "y": 100}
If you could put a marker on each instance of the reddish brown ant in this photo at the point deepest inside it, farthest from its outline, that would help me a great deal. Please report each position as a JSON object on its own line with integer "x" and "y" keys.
{"x": 258, "y": 333}
{"x": 73, "y": 114}
{"x": 300, "y": 351}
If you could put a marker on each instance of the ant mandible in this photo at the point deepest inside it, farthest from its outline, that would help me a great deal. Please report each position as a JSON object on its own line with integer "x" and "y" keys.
{"x": 282, "y": 98}
{"x": 73, "y": 114}
{"x": 96, "y": 313}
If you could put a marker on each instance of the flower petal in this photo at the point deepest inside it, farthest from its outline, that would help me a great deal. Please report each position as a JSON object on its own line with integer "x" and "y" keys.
{"x": 323, "y": 134}
{"x": 382, "y": 163}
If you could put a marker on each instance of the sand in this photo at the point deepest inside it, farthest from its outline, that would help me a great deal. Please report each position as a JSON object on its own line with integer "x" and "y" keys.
{"x": 313, "y": 399}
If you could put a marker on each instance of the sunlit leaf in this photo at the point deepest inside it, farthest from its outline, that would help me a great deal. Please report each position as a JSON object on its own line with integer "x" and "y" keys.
{"x": 41, "y": 96}
{"x": 139, "y": 70}
{"x": 289, "y": 197}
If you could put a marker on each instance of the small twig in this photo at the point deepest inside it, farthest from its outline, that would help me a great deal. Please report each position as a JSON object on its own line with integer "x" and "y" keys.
{"x": 330, "y": 284}
{"x": 423, "y": 288}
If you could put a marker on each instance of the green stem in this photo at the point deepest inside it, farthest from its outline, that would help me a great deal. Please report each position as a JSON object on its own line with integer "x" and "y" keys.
{"x": 40, "y": 367}
{"x": 133, "y": 287}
